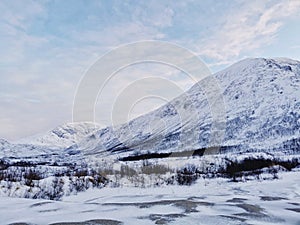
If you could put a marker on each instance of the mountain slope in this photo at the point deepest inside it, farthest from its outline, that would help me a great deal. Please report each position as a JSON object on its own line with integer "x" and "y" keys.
{"x": 262, "y": 112}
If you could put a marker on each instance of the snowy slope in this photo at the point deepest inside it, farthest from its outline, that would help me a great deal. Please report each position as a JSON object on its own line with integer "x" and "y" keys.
{"x": 262, "y": 111}
{"x": 53, "y": 143}
{"x": 3, "y": 143}
{"x": 62, "y": 136}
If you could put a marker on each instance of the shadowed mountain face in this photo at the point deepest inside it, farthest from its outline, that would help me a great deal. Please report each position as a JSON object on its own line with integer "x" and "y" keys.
{"x": 261, "y": 105}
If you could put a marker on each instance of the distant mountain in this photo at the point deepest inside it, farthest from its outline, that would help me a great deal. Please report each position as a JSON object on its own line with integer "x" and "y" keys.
{"x": 62, "y": 136}
{"x": 44, "y": 166}
{"x": 53, "y": 144}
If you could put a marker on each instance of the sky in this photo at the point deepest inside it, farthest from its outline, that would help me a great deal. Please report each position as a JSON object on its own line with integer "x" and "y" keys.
{"x": 47, "y": 46}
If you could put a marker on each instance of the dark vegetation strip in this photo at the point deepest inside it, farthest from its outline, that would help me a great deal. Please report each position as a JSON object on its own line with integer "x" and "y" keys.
{"x": 198, "y": 152}
{"x": 235, "y": 170}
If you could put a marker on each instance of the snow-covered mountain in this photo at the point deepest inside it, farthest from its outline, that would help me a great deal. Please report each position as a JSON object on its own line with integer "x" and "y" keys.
{"x": 262, "y": 112}
{"x": 261, "y": 107}
{"x": 44, "y": 167}
{"x": 62, "y": 136}
{"x": 53, "y": 143}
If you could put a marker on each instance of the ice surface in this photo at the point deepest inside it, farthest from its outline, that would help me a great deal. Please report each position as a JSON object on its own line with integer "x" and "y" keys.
{"x": 209, "y": 201}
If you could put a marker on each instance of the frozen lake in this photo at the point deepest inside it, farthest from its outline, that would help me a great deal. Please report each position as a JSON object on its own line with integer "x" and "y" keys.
{"x": 209, "y": 201}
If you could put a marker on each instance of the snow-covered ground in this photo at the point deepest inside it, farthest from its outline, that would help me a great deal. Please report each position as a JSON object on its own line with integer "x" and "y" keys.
{"x": 209, "y": 201}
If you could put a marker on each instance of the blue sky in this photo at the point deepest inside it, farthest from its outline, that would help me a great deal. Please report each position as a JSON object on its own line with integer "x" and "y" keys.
{"x": 47, "y": 46}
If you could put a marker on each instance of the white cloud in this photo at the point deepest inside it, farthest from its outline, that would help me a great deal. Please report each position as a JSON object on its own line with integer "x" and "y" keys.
{"x": 113, "y": 36}
{"x": 18, "y": 13}
{"x": 153, "y": 14}
{"x": 15, "y": 19}
{"x": 248, "y": 27}
{"x": 295, "y": 46}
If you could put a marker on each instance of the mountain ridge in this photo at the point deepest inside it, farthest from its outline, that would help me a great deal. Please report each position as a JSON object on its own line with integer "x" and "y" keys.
{"x": 262, "y": 103}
